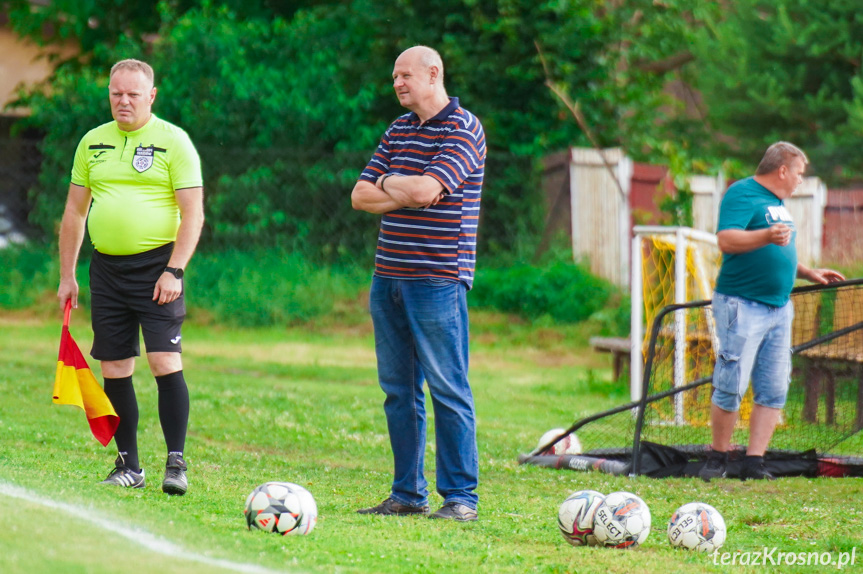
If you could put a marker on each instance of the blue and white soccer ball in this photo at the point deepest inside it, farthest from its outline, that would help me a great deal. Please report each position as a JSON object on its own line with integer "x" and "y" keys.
{"x": 697, "y": 526}
{"x": 281, "y": 507}
{"x": 622, "y": 521}
{"x": 575, "y": 517}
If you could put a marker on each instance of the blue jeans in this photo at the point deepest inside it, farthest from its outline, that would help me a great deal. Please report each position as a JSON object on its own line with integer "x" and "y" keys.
{"x": 754, "y": 341}
{"x": 421, "y": 333}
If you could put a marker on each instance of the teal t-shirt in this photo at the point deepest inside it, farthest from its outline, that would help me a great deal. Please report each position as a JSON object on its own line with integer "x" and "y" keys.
{"x": 765, "y": 274}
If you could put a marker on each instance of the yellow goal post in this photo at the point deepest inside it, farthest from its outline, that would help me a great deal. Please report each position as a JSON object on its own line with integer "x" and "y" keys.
{"x": 671, "y": 265}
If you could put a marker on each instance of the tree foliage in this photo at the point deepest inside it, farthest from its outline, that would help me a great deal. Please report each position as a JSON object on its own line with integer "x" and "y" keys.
{"x": 788, "y": 70}
{"x": 95, "y": 23}
{"x": 286, "y": 100}
{"x": 286, "y": 109}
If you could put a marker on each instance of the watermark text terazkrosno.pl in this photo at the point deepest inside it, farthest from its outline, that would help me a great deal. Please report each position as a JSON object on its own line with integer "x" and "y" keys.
{"x": 775, "y": 557}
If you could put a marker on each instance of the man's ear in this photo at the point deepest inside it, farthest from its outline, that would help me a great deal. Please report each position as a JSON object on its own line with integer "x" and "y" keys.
{"x": 433, "y": 73}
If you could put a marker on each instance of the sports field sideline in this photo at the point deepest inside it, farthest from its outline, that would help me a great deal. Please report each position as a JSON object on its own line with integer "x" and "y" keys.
{"x": 302, "y": 405}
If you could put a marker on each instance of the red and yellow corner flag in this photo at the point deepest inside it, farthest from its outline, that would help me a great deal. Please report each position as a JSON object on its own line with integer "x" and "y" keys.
{"x": 76, "y": 385}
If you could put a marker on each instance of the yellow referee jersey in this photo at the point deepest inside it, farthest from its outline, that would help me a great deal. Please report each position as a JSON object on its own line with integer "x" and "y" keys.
{"x": 132, "y": 177}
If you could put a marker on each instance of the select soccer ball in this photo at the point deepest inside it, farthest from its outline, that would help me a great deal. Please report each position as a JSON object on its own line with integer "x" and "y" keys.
{"x": 281, "y": 507}
{"x": 575, "y": 517}
{"x": 567, "y": 445}
{"x": 697, "y": 526}
{"x": 622, "y": 521}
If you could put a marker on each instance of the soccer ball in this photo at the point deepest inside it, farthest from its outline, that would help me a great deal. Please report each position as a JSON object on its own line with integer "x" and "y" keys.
{"x": 281, "y": 507}
{"x": 622, "y": 521}
{"x": 567, "y": 445}
{"x": 575, "y": 517}
{"x": 697, "y": 526}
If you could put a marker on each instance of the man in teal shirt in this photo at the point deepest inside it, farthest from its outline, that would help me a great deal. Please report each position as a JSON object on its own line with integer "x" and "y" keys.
{"x": 752, "y": 307}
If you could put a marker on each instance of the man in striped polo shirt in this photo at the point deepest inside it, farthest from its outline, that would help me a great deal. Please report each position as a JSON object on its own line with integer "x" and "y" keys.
{"x": 143, "y": 177}
{"x": 425, "y": 179}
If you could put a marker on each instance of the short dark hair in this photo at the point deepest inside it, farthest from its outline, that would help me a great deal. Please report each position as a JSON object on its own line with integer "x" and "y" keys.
{"x": 779, "y": 154}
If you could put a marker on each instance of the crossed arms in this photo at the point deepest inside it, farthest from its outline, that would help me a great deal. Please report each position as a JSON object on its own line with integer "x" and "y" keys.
{"x": 395, "y": 192}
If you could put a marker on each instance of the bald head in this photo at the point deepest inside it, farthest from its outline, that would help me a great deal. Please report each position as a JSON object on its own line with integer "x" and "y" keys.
{"x": 424, "y": 57}
{"x": 418, "y": 81}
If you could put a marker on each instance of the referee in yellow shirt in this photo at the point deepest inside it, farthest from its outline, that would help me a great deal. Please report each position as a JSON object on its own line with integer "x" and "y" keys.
{"x": 139, "y": 180}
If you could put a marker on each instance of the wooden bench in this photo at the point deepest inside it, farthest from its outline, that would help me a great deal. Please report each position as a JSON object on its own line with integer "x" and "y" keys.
{"x": 842, "y": 356}
{"x": 619, "y": 347}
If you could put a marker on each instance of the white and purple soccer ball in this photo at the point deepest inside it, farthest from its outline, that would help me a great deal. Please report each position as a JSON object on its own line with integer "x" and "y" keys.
{"x": 575, "y": 517}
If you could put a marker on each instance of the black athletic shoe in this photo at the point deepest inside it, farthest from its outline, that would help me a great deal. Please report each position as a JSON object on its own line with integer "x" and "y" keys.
{"x": 124, "y": 476}
{"x": 715, "y": 466}
{"x": 175, "y": 475}
{"x": 455, "y": 511}
{"x": 755, "y": 472}
{"x": 390, "y": 507}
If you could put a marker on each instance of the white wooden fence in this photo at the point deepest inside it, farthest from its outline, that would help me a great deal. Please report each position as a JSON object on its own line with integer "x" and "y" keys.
{"x": 600, "y": 184}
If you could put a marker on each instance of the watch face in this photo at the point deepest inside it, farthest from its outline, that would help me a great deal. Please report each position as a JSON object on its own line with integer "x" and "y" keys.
{"x": 176, "y": 272}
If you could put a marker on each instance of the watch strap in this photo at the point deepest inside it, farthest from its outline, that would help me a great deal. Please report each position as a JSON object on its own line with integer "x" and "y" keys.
{"x": 175, "y": 271}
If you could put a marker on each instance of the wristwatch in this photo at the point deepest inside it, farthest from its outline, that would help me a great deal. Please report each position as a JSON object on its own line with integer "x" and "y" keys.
{"x": 175, "y": 271}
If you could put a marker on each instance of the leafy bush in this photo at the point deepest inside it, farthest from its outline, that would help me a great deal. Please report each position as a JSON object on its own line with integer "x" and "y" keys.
{"x": 566, "y": 292}
{"x": 613, "y": 320}
{"x": 277, "y": 286}
{"x": 269, "y": 287}
{"x": 26, "y": 274}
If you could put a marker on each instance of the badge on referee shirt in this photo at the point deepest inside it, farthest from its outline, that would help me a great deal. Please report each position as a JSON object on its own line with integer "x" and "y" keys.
{"x": 143, "y": 159}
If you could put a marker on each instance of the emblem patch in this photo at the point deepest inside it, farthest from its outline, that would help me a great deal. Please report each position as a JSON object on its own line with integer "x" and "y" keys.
{"x": 143, "y": 159}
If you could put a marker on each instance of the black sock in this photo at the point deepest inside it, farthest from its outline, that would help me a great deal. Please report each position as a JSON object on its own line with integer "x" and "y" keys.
{"x": 174, "y": 410}
{"x": 121, "y": 393}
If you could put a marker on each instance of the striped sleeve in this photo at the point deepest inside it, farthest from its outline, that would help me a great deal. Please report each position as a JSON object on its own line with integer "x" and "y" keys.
{"x": 460, "y": 154}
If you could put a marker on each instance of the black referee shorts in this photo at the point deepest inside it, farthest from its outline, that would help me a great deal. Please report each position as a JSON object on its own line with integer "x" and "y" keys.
{"x": 121, "y": 293}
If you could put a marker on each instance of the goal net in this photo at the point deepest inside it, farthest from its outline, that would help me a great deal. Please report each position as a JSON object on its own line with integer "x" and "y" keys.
{"x": 665, "y": 430}
{"x": 672, "y": 265}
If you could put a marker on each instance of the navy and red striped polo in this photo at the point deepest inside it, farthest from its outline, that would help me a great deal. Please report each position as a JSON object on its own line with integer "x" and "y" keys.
{"x": 416, "y": 243}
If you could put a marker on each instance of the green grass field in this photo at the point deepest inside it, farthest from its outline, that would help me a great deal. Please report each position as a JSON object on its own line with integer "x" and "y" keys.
{"x": 303, "y": 405}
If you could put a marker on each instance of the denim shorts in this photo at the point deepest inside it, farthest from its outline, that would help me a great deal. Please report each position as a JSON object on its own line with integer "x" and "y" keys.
{"x": 754, "y": 342}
